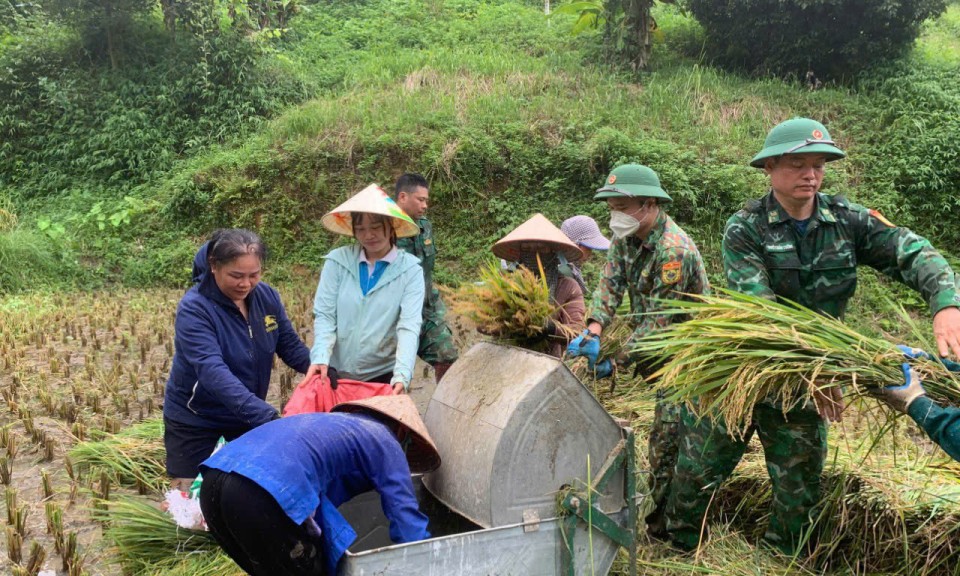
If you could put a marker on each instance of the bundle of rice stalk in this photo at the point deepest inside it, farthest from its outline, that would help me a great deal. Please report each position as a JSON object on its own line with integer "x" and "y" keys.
{"x": 200, "y": 564}
{"x": 615, "y": 337}
{"x": 512, "y": 306}
{"x": 135, "y": 457}
{"x": 146, "y": 540}
{"x": 739, "y": 349}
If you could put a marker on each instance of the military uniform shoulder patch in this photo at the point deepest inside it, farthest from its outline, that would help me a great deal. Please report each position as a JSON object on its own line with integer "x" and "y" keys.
{"x": 880, "y": 217}
{"x": 671, "y": 272}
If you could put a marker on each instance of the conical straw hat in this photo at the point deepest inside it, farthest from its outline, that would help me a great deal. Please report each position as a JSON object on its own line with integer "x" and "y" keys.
{"x": 422, "y": 453}
{"x": 536, "y": 235}
{"x": 374, "y": 200}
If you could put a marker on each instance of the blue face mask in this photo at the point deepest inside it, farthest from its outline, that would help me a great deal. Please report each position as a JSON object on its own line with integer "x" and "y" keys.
{"x": 564, "y": 267}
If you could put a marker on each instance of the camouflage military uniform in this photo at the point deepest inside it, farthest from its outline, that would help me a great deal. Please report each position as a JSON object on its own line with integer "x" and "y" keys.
{"x": 664, "y": 265}
{"x": 436, "y": 339}
{"x": 765, "y": 255}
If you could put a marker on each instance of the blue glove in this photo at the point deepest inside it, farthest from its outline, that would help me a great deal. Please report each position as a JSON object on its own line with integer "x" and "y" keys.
{"x": 603, "y": 369}
{"x": 900, "y": 397}
{"x": 914, "y": 353}
{"x": 586, "y": 344}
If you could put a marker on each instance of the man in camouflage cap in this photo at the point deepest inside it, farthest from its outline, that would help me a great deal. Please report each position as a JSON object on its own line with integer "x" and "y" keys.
{"x": 437, "y": 348}
{"x": 651, "y": 259}
{"x": 799, "y": 244}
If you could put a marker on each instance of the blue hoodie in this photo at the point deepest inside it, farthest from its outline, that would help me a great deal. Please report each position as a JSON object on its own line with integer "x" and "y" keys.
{"x": 221, "y": 368}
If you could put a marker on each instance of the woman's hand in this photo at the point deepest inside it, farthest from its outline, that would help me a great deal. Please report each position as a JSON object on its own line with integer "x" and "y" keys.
{"x": 398, "y": 388}
{"x": 314, "y": 369}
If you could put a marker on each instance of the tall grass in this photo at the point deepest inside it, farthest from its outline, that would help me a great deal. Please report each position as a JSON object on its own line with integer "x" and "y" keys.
{"x": 28, "y": 261}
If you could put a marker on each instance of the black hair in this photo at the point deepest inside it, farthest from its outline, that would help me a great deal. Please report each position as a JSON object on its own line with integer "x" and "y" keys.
{"x": 228, "y": 244}
{"x": 409, "y": 182}
{"x": 357, "y": 217}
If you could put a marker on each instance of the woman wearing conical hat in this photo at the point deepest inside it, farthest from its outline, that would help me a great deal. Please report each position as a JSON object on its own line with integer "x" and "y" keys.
{"x": 367, "y": 310}
{"x": 270, "y": 497}
{"x": 539, "y": 237}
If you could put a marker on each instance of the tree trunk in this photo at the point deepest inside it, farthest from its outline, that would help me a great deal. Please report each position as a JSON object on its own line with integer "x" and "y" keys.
{"x": 169, "y": 8}
{"x": 111, "y": 49}
{"x": 638, "y": 23}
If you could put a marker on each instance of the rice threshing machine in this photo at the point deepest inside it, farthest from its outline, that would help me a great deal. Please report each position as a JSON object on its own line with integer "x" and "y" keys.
{"x": 537, "y": 478}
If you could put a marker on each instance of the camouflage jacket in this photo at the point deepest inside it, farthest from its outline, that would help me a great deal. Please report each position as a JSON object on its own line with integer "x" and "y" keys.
{"x": 663, "y": 266}
{"x": 423, "y": 247}
{"x": 764, "y": 255}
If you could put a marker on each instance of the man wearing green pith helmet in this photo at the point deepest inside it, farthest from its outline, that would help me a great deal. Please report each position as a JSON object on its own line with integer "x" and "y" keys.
{"x": 799, "y": 244}
{"x": 653, "y": 260}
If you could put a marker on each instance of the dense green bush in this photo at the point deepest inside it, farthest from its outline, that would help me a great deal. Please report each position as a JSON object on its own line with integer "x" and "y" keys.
{"x": 69, "y": 123}
{"x": 834, "y": 38}
{"x": 911, "y": 156}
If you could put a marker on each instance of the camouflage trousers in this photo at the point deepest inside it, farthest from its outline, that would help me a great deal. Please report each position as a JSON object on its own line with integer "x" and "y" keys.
{"x": 794, "y": 446}
{"x": 662, "y": 448}
{"x": 436, "y": 342}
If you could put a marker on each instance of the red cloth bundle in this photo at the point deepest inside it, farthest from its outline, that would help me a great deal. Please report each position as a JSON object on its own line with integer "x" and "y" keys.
{"x": 315, "y": 395}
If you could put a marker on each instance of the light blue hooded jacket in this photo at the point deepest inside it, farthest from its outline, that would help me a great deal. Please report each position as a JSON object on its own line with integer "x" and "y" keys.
{"x": 365, "y": 336}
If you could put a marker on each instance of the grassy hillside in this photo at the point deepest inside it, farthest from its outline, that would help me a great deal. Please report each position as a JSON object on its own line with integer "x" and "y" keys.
{"x": 507, "y": 113}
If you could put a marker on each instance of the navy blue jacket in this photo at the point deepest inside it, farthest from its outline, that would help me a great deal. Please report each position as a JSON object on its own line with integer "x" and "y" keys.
{"x": 222, "y": 364}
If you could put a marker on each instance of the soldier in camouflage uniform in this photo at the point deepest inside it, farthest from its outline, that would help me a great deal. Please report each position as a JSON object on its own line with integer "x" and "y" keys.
{"x": 651, "y": 259}
{"x": 436, "y": 339}
{"x": 799, "y": 244}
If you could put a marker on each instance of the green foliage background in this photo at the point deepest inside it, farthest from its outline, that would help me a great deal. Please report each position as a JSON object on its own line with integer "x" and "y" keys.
{"x": 834, "y": 38}
{"x": 119, "y": 173}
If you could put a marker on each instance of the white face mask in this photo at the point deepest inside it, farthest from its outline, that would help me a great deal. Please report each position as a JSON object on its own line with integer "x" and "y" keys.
{"x": 622, "y": 224}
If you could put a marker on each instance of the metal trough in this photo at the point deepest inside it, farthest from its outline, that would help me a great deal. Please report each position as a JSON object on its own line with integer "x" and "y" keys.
{"x": 520, "y": 437}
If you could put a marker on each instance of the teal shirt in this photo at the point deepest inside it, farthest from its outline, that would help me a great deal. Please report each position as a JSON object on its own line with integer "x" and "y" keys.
{"x": 941, "y": 424}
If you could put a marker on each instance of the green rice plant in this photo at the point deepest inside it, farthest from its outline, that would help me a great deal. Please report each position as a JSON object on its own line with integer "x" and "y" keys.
{"x": 134, "y": 457}
{"x": 739, "y": 349}
{"x": 146, "y": 540}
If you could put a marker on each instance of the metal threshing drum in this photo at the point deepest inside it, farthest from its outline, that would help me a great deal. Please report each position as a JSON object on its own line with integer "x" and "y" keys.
{"x": 513, "y": 428}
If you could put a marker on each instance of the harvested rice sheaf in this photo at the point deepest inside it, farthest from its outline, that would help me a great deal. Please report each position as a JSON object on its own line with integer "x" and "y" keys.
{"x": 512, "y": 306}
{"x": 134, "y": 457}
{"x": 740, "y": 349}
{"x": 147, "y": 541}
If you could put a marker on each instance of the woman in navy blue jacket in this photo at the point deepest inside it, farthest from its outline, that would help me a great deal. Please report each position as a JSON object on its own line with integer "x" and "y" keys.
{"x": 229, "y": 326}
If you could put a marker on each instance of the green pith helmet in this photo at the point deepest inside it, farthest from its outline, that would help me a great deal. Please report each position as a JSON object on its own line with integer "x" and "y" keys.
{"x": 797, "y": 136}
{"x": 632, "y": 181}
